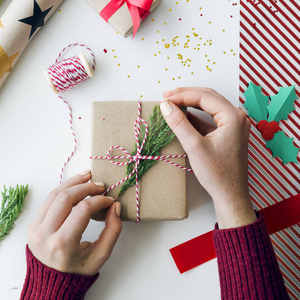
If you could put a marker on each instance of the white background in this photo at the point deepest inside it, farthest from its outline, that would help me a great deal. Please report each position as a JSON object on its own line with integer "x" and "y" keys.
{"x": 35, "y": 136}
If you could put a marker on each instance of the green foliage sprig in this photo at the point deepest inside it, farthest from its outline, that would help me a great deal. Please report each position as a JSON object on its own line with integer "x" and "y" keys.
{"x": 11, "y": 206}
{"x": 159, "y": 135}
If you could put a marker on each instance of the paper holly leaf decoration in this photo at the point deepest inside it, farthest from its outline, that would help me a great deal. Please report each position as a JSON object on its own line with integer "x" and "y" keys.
{"x": 279, "y": 108}
{"x": 282, "y": 104}
{"x": 256, "y": 102}
{"x": 283, "y": 147}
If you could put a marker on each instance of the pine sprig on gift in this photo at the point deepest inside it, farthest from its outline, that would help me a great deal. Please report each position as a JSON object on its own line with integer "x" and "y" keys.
{"x": 11, "y": 206}
{"x": 159, "y": 135}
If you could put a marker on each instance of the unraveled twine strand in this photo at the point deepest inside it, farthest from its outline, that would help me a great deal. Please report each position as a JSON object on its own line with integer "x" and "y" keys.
{"x": 136, "y": 158}
{"x": 65, "y": 75}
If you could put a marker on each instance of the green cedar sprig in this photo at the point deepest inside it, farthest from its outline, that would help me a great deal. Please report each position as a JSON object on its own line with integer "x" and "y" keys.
{"x": 11, "y": 206}
{"x": 159, "y": 135}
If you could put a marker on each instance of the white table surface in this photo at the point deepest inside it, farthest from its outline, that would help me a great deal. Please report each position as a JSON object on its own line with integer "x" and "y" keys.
{"x": 35, "y": 135}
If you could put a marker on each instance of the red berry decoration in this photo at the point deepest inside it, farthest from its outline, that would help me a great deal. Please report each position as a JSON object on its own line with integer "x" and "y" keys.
{"x": 268, "y": 134}
{"x": 262, "y": 125}
{"x": 274, "y": 126}
{"x": 267, "y": 129}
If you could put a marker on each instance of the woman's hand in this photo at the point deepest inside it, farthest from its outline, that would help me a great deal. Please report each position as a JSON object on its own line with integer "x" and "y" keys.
{"x": 54, "y": 238}
{"x": 217, "y": 154}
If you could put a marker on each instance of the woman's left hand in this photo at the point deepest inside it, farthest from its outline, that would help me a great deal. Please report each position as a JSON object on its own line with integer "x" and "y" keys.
{"x": 54, "y": 238}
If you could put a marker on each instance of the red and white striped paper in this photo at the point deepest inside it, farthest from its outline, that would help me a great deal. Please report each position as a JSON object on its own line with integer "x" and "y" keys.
{"x": 269, "y": 57}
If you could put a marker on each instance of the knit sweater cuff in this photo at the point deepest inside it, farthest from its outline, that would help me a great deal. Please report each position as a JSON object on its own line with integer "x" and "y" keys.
{"x": 42, "y": 282}
{"x": 247, "y": 264}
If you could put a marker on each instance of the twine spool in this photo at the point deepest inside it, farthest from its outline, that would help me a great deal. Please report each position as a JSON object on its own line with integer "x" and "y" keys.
{"x": 66, "y": 74}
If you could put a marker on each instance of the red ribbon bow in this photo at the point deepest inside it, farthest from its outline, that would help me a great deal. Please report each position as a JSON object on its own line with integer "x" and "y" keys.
{"x": 139, "y": 9}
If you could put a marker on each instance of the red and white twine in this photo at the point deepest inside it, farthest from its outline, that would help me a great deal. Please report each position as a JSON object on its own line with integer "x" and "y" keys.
{"x": 136, "y": 158}
{"x": 65, "y": 75}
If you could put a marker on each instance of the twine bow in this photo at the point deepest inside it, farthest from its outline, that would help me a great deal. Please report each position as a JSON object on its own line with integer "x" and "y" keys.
{"x": 139, "y": 9}
{"x": 136, "y": 158}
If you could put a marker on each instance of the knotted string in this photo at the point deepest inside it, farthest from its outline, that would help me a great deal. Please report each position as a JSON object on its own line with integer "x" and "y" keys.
{"x": 65, "y": 75}
{"x": 136, "y": 158}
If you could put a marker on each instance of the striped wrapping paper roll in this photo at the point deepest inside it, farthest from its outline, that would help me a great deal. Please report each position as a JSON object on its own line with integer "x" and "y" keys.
{"x": 269, "y": 57}
{"x": 19, "y": 23}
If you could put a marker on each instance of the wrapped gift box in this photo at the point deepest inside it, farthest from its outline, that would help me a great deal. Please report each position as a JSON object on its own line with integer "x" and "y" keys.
{"x": 162, "y": 188}
{"x": 121, "y": 19}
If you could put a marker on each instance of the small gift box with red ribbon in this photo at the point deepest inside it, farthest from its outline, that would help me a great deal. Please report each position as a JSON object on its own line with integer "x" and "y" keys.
{"x": 121, "y": 135}
{"x": 124, "y": 15}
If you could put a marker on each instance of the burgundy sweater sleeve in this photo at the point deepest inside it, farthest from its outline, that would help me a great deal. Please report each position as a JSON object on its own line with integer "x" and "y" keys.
{"x": 45, "y": 283}
{"x": 248, "y": 268}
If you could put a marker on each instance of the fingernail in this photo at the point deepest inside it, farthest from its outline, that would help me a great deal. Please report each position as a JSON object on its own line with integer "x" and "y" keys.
{"x": 85, "y": 172}
{"x": 111, "y": 198}
{"x": 118, "y": 209}
{"x": 166, "y": 108}
{"x": 100, "y": 184}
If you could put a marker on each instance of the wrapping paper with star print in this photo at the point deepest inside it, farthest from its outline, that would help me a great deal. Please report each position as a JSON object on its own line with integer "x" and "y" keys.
{"x": 20, "y": 22}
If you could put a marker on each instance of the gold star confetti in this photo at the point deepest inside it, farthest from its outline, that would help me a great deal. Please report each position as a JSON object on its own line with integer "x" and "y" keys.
{"x": 6, "y": 61}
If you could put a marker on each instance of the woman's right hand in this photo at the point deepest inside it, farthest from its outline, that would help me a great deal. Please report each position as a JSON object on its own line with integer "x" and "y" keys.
{"x": 217, "y": 154}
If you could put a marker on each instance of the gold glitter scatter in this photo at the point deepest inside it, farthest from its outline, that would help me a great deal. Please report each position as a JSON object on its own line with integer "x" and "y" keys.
{"x": 179, "y": 56}
{"x": 154, "y": 54}
{"x": 157, "y": 31}
{"x": 143, "y": 39}
{"x": 158, "y": 81}
{"x": 173, "y": 77}
{"x": 166, "y": 69}
{"x": 214, "y": 62}
{"x": 209, "y": 22}
{"x": 231, "y": 50}
{"x": 234, "y": 54}
{"x": 163, "y": 40}
{"x": 59, "y": 10}
{"x": 193, "y": 28}
{"x": 167, "y": 45}
{"x": 205, "y": 55}
{"x": 176, "y": 3}
{"x": 115, "y": 56}
{"x": 192, "y": 73}
{"x": 224, "y": 52}
{"x": 119, "y": 65}
{"x": 152, "y": 20}
{"x": 223, "y": 30}
{"x": 159, "y": 51}
{"x": 138, "y": 66}
{"x": 165, "y": 23}
{"x": 170, "y": 9}
{"x": 195, "y": 34}
{"x": 200, "y": 7}
{"x": 168, "y": 57}
{"x": 128, "y": 76}
{"x": 141, "y": 96}
{"x": 157, "y": 42}
{"x": 113, "y": 50}
{"x": 178, "y": 77}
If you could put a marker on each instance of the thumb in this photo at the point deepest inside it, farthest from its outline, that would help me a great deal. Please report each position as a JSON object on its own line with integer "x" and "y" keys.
{"x": 188, "y": 136}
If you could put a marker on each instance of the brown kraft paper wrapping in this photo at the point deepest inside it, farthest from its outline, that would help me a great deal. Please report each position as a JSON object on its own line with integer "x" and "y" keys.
{"x": 121, "y": 20}
{"x": 162, "y": 188}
